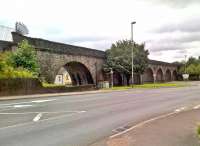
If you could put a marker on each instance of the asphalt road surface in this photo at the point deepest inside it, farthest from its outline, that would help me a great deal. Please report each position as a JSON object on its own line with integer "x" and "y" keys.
{"x": 81, "y": 120}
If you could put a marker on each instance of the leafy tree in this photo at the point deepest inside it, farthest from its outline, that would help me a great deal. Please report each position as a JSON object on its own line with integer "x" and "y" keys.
{"x": 192, "y": 60}
{"x": 191, "y": 67}
{"x": 118, "y": 57}
{"x": 25, "y": 57}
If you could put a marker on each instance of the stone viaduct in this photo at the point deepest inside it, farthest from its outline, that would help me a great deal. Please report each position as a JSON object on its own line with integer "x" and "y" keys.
{"x": 84, "y": 64}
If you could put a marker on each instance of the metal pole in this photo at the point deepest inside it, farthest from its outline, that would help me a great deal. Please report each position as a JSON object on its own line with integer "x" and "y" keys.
{"x": 185, "y": 63}
{"x": 132, "y": 52}
{"x": 111, "y": 73}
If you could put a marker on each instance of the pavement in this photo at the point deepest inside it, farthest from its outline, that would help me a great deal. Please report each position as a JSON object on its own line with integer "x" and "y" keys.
{"x": 81, "y": 120}
{"x": 177, "y": 129}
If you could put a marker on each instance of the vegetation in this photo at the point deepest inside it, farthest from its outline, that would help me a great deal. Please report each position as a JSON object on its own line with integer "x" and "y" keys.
{"x": 118, "y": 57}
{"x": 49, "y": 85}
{"x": 198, "y": 130}
{"x": 152, "y": 85}
{"x": 21, "y": 63}
{"x": 192, "y": 67}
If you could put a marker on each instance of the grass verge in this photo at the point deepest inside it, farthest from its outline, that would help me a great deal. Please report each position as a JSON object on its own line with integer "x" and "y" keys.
{"x": 198, "y": 131}
{"x": 48, "y": 85}
{"x": 153, "y": 85}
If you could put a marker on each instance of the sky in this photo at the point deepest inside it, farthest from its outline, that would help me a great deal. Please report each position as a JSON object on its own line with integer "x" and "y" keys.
{"x": 169, "y": 28}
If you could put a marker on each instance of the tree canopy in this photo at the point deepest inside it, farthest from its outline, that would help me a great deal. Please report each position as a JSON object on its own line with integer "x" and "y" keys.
{"x": 192, "y": 66}
{"x": 118, "y": 57}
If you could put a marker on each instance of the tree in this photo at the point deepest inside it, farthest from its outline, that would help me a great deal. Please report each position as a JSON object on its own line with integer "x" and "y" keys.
{"x": 118, "y": 57}
{"x": 191, "y": 67}
{"x": 25, "y": 57}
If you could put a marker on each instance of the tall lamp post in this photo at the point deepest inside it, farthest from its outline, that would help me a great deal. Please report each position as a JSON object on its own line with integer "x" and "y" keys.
{"x": 111, "y": 74}
{"x": 132, "y": 23}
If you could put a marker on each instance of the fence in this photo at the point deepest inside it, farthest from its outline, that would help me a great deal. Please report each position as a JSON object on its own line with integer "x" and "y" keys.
{"x": 5, "y": 33}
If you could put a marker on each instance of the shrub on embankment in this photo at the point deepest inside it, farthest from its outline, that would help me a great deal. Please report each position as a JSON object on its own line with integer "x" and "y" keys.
{"x": 21, "y": 63}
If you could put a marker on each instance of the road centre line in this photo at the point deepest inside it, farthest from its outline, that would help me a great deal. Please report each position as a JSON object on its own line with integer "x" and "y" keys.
{"x": 43, "y": 120}
{"x": 28, "y": 102}
{"x": 180, "y": 109}
{"x": 196, "y": 107}
{"x": 58, "y": 112}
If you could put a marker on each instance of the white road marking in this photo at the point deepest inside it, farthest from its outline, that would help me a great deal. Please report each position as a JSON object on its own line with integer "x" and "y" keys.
{"x": 141, "y": 124}
{"x": 43, "y": 120}
{"x": 22, "y": 105}
{"x": 196, "y": 107}
{"x": 57, "y": 112}
{"x": 27, "y": 102}
{"x": 37, "y": 117}
{"x": 41, "y": 101}
{"x": 180, "y": 109}
{"x": 146, "y": 122}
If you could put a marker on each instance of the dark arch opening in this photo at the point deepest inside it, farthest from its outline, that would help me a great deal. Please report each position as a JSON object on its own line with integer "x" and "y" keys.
{"x": 174, "y": 76}
{"x": 148, "y": 76}
{"x": 168, "y": 76}
{"x": 159, "y": 75}
{"x": 117, "y": 79}
{"x": 78, "y": 74}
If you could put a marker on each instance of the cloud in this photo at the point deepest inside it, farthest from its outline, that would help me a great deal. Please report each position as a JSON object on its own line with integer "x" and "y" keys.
{"x": 189, "y": 25}
{"x": 177, "y": 3}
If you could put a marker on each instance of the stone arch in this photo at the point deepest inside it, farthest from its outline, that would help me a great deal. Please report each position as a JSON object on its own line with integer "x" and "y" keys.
{"x": 78, "y": 73}
{"x": 168, "y": 76}
{"x": 148, "y": 76}
{"x": 159, "y": 75}
{"x": 174, "y": 75}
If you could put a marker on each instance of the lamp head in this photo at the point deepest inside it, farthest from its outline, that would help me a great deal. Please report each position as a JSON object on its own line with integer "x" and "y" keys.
{"x": 134, "y": 22}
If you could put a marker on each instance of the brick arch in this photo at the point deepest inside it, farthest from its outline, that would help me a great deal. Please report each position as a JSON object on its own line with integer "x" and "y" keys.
{"x": 78, "y": 72}
{"x": 51, "y": 63}
{"x": 168, "y": 76}
{"x": 148, "y": 75}
{"x": 159, "y": 75}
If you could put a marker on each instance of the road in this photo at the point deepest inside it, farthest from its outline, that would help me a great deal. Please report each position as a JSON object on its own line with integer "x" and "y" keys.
{"x": 81, "y": 120}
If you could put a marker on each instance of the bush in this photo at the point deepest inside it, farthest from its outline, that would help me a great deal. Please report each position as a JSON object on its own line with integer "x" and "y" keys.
{"x": 19, "y": 64}
{"x": 24, "y": 57}
{"x": 198, "y": 130}
{"x": 10, "y": 72}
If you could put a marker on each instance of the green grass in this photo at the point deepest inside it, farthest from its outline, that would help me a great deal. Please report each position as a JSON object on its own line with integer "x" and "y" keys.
{"x": 198, "y": 131}
{"x": 151, "y": 85}
{"x": 48, "y": 85}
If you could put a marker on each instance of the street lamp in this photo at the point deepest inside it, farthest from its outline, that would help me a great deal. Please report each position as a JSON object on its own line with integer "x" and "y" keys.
{"x": 111, "y": 74}
{"x": 132, "y": 51}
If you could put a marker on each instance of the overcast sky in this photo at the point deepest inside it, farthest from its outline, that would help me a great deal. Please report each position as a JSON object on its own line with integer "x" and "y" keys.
{"x": 170, "y": 28}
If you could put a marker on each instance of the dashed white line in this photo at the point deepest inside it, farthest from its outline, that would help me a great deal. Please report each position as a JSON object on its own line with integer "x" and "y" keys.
{"x": 180, "y": 109}
{"x": 42, "y": 120}
{"x": 41, "y": 101}
{"x": 196, "y": 107}
{"x": 56, "y": 112}
{"x": 22, "y": 105}
{"x": 37, "y": 117}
